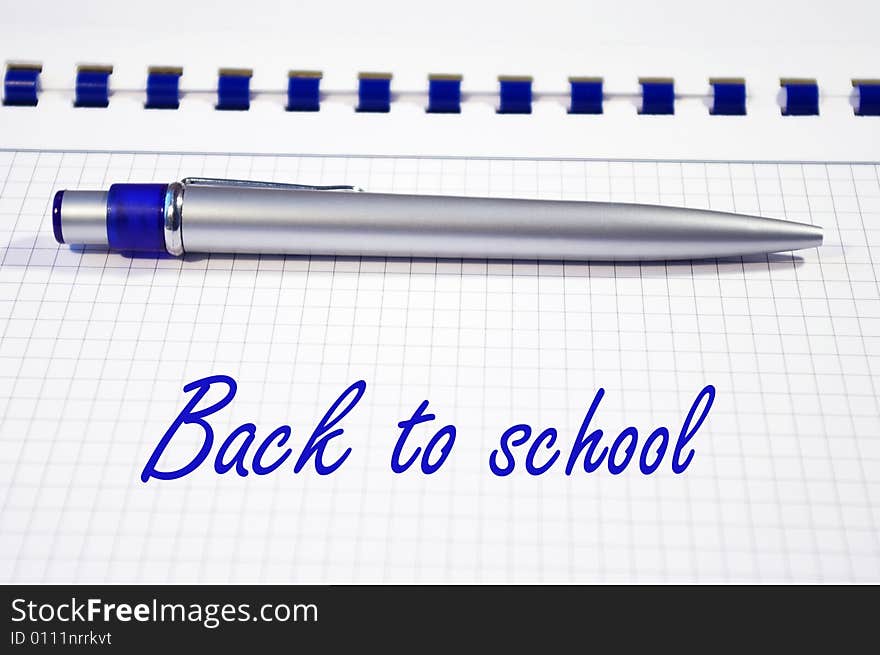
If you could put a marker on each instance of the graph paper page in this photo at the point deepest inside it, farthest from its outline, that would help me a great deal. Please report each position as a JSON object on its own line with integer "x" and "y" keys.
{"x": 95, "y": 349}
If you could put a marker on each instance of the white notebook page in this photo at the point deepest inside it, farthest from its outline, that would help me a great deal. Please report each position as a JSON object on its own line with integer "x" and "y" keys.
{"x": 95, "y": 349}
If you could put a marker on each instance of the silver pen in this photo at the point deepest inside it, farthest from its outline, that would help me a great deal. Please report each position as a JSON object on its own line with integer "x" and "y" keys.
{"x": 202, "y": 215}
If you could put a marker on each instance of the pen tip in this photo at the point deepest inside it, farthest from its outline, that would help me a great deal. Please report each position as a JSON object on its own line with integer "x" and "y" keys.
{"x": 782, "y": 235}
{"x": 812, "y": 236}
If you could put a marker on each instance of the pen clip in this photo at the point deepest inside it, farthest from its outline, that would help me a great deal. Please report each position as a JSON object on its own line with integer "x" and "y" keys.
{"x": 249, "y": 184}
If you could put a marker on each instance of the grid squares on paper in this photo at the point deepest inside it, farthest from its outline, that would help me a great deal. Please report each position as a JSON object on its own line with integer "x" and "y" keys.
{"x": 95, "y": 347}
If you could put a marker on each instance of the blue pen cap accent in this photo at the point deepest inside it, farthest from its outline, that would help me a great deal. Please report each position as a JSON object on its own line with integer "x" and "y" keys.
{"x": 56, "y": 216}
{"x": 136, "y": 217}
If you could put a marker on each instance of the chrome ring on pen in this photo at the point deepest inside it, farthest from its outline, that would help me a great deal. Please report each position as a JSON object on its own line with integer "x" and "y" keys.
{"x": 173, "y": 218}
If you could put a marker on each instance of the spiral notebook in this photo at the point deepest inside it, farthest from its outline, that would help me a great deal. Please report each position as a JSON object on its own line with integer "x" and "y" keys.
{"x": 95, "y": 347}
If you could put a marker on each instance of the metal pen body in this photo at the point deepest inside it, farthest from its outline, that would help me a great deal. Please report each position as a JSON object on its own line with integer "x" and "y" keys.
{"x": 257, "y": 220}
{"x": 229, "y": 216}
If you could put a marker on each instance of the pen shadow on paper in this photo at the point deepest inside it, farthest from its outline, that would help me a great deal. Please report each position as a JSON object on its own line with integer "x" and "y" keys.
{"x": 440, "y": 266}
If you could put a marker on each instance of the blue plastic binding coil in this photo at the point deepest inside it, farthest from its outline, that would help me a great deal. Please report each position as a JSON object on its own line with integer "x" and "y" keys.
{"x": 801, "y": 98}
{"x": 303, "y": 91}
{"x": 728, "y": 97}
{"x": 234, "y": 89}
{"x": 514, "y": 95}
{"x": 93, "y": 86}
{"x": 658, "y": 96}
{"x": 374, "y": 92}
{"x": 869, "y": 97}
{"x": 20, "y": 85}
{"x": 163, "y": 88}
{"x": 586, "y": 95}
{"x": 444, "y": 94}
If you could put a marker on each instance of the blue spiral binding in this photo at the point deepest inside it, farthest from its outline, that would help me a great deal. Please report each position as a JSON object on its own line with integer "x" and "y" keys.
{"x": 801, "y": 97}
{"x": 444, "y": 94}
{"x": 93, "y": 86}
{"x": 374, "y": 92}
{"x": 728, "y": 97}
{"x": 303, "y": 91}
{"x": 869, "y": 97}
{"x": 234, "y": 89}
{"x": 514, "y": 94}
{"x": 163, "y": 88}
{"x": 586, "y": 95}
{"x": 21, "y": 85}
{"x": 658, "y": 96}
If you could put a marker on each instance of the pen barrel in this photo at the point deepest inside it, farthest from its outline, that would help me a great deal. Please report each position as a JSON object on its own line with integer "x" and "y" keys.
{"x": 284, "y": 221}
